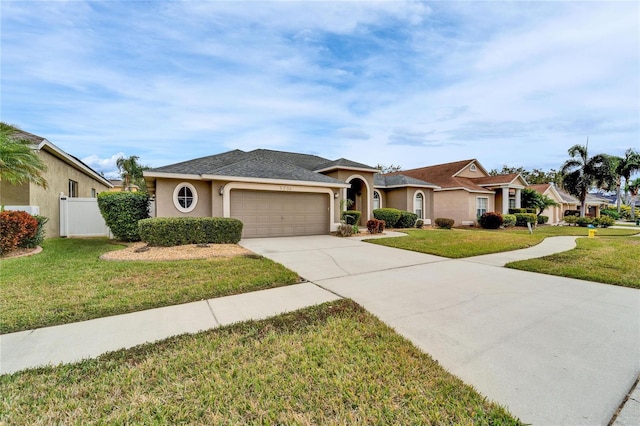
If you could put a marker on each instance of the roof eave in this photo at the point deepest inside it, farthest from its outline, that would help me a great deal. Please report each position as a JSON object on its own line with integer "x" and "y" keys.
{"x": 355, "y": 169}
{"x": 275, "y": 181}
{"x": 60, "y": 154}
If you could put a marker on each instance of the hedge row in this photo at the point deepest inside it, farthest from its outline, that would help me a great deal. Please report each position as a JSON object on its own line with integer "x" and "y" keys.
{"x": 351, "y": 217}
{"x": 175, "y": 231}
{"x": 523, "y": 218}
{"x": 122, "y": 211}
{"x": 395, "y": 218}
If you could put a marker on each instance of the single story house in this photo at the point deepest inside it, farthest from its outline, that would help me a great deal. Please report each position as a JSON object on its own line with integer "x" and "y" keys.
{"x": 464, "y": 190}
{"x": 276, "y": 193}
{"x": 567, "y": 201}
{"x": 66, "y": 175}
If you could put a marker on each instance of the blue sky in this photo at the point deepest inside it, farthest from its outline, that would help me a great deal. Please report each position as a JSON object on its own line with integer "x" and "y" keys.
{"x": 405, "y": 83}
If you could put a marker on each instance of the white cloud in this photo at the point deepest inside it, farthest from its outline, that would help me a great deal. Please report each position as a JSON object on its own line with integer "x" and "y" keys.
{"x": 104, "y": 165}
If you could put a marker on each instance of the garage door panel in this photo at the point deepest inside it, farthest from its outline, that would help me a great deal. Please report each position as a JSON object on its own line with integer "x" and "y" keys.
{"x": 274, "y": 214}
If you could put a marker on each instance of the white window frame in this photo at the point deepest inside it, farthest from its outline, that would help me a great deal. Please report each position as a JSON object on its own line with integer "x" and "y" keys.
{"x": 415, "y": 207}
{"x": 93, "y": 193}
{"x": 473, "y": 168}
{"x": 478, "y": 209}
{"x": 73, "y": 188}
{"x": 378, "y": 199}
{"x": 194, "y": 201}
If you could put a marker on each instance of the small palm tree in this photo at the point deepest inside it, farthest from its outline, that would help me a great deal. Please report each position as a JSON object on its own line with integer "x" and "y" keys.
{"x": 19, "y": 163}
{"x": 634, "y": 188}
{"x": 581, "y": 173}
{"x": 131, "y": 172}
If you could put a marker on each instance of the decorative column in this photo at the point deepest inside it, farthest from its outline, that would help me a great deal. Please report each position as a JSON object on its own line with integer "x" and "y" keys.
{"x": 505, "y": 200}
{"x": 518, "y": 198}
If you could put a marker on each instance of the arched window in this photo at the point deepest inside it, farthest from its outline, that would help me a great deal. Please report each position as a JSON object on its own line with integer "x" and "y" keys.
{"x": 418, "y": 205}
{"x": 185, "y": 197}
{"x": 376, "y": 200}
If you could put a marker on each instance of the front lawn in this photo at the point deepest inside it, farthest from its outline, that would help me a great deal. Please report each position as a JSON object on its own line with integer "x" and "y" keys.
{"x": 602, "y": 259}
{"x": 467, "y": 242}
{"x": 67, "y": 283}
{"x": 330, "y": 364}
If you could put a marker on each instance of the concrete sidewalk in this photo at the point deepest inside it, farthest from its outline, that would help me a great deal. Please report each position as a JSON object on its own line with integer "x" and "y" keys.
{"x": 87, "y": 339}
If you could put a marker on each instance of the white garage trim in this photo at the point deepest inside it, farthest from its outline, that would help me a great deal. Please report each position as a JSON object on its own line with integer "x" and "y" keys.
{"x": 226, "y": 196}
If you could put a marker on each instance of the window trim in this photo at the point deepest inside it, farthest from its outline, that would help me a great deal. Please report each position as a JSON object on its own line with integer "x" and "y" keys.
{"x": 194, "y": 193}
{"x": 415, "y": 195}
{"x": 376, "y": 192}
{"x": 73, "y": 189}
{"x": 477, "y": 205}
{"x": 473, "y": 168}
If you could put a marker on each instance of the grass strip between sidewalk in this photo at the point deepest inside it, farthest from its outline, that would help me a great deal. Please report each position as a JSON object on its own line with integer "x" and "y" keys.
{"x": 67, "y": 283}
{"x": 329, "y": 364}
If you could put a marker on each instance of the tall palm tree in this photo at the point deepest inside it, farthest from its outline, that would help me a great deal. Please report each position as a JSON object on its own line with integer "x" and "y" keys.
{"x": 634, "y": 188}
{"x": 624, "y": 168}
{"x": 18, "y": 161}
{"x": 581, "y": 173}
{"x": 131, "y": 171}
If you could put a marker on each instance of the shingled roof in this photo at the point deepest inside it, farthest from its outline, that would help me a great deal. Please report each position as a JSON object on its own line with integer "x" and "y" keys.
{"x": 261, "y": 164}
{"x": 399, "y": 180}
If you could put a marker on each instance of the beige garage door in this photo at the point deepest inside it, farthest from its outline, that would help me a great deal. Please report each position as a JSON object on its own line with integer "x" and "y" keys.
{"x": 280, "y": 214}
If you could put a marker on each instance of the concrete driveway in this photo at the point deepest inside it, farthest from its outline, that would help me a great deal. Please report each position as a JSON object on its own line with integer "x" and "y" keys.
{"x": 553, "y": 350}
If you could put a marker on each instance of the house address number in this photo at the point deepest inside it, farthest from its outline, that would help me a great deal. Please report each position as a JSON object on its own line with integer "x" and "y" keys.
{"x": 286, "y": 188}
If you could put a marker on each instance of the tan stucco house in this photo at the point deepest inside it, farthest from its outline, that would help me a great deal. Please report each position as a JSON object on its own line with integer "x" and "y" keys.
{"x": 276, "y": 193}
{"x": 464, "y": 190}
{"x": 66, "y": 175}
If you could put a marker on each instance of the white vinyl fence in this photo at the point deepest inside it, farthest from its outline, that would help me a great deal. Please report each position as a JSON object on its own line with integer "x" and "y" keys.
{"x": 80, "y": 217}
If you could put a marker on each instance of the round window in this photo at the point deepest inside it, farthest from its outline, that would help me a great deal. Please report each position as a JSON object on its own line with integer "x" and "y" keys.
{"x": 185, "y": 197}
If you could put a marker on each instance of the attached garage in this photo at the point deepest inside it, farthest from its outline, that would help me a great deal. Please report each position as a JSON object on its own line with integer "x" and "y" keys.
{"x": 280, "y": 214}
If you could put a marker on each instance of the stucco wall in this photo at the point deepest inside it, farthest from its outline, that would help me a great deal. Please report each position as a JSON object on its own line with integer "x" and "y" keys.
{"x": 459, "y": 205}
{"x": 14, "y": 195}
{"x": 403, "y": 199}
{"x": 164, "y": 198}
{"x": 57, "y": 175}
{"x": 469, "y": 174}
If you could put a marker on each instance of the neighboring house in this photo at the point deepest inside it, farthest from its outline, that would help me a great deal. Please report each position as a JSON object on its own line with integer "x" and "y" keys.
{"x": 65, "y": 175}
{"x": 464, "y": 190}
{"x": 277, "y": 193}
{"x": 564, "y": 201}
{"x": 118, "y": 186}
{"x": 569, "y": 202}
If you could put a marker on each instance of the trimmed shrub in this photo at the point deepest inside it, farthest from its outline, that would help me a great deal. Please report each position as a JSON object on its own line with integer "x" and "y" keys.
{"x": 523, "y": 218}
{"x": 584, "y": 221}
{"x": 390, "y": 216}
{"x": 351, "y": 217}
{"x": 514, "y": 211}
{"x": 491, "y": 220}
{"x": 122, "y": 211}
{"x": 344, "y": 230}
{"x": 570, "y": 220}
{"x": 542, "y": 219}
{"x": 15, "y": 228}
{"x": 508, "y": 220}
{"x": 419, "y": 223}
{"x": 444, "y": 223}
{"x": 605, "y": 221}
{"x": 375, "y": 226}
{"x": 407, "y": 220}
{"x": 176, "y": 231}
{"x": 612, "y": 213}
{"x": 38, "y": 237}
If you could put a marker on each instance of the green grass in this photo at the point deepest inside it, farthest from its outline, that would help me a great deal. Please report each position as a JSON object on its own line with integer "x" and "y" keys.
{"x": 459, "y": 243}
{"x": 67, "y": 283}
{"x": 602, "y": 259}
{"x": 331, "y": 364}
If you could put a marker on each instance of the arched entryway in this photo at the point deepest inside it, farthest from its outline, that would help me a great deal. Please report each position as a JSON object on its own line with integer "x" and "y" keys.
{"x": 359, "y": 195}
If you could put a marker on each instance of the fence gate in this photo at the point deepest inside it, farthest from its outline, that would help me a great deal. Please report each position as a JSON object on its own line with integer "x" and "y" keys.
{"x": 80, "y": 217}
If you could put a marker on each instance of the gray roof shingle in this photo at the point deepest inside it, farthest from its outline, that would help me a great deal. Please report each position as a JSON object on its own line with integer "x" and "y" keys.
{"x": 266, "y": 168}
{"x": 343, "y": 162}
{"x": 385, "y": 181}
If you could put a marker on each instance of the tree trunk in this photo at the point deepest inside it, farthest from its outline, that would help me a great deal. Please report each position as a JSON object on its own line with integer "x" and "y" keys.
{"x": 618, "y": 200}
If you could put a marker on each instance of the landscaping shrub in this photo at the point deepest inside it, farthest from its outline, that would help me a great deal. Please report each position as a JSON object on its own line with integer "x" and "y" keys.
{"x": 419, "y": 223}
{"x": 523, "y": 218}
{"x": 122, "y": 211}
{"x": 15, "y": 228}
{"x": 38, "y": 237}
{"x": 605, "y": 221}
{"x": 390, "y": 216}
{"x": 407, "y": 220}
{"x": 612, "y": 213}
{"x": 491, "y": 220}
{"x": 515, "y": 211}
{"x": 509, "y": 220}
{"x": 570, "y": 220}
{"x": 542, "y": 219}
{"x": 584, "y": 221}
{"x": 175, "y": 231}
{"x": 375, "y": 226}
{"x": 351, "y": 217}
{"x": 444, "y": 223}
{"x": 344, "y": 230}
